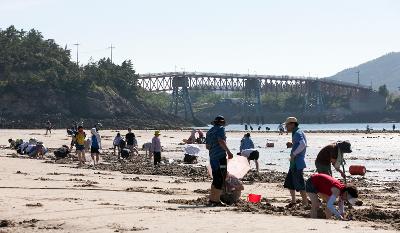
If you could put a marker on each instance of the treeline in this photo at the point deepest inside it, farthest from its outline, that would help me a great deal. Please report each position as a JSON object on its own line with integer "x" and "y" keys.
{"x": 39, "y": 82}
{"x": 26, "y": 58}
{"x": 281, "y": 101}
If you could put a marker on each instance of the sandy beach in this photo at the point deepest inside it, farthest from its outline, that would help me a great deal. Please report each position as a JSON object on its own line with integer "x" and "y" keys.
{"x": 56, "y": 196}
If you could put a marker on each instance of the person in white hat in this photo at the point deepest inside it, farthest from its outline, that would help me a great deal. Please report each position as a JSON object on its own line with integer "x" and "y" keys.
{"x": 295, "y": 180}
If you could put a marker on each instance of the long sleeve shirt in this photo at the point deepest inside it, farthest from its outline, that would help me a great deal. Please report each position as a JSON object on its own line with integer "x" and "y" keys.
{"x": 155, "y": 145}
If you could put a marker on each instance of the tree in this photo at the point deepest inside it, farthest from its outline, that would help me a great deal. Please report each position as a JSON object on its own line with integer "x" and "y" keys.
{"x": 383, "y": 91}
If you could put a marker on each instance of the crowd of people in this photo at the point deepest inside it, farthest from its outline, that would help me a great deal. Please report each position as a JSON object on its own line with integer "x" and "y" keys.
{"x": 32, "y": 148}
{"x": 318, "y": 185}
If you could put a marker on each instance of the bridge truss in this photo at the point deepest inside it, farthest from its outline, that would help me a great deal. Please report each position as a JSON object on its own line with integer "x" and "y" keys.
{"x": 253, "y": 86}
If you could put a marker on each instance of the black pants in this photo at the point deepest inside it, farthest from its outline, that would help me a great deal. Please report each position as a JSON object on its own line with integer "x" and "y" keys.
{"x": 157, "y": 158}
{"x": 219, "y": 171}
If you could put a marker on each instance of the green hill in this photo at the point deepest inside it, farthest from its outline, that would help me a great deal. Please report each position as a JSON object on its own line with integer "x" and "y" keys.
{"x": 38, "y": 82}
{"x": 380, "y": 71}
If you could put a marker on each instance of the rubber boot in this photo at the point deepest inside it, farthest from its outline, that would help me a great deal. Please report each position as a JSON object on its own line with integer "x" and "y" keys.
{"x": 215, "y": 194}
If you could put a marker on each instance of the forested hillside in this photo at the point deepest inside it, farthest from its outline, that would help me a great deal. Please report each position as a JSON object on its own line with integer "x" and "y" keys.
{"x": 38, "y": 82}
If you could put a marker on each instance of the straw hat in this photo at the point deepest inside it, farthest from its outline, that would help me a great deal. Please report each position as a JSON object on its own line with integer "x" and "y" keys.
{"x": 157, "y": 133}
{"x": 291, "y": 120}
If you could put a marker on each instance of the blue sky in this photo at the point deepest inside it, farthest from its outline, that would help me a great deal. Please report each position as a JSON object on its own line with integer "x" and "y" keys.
{"x": 303, "y": 37}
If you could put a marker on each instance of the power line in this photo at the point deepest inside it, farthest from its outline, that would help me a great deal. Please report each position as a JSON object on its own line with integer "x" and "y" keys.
{"x": 111, "y": 48}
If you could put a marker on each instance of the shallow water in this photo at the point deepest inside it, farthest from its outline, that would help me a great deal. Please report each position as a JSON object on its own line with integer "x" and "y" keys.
{"x": 324, "y": 127}
{"x": 377, "y": 152}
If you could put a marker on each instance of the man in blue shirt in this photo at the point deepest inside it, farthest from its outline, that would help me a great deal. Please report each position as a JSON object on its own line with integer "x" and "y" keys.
{"x": 246, "y": 143}
{"x": 218, "y": 150}
{"x": 294, "y": 180}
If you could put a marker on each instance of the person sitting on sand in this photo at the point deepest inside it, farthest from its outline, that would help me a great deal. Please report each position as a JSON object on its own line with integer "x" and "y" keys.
{"x": 192, "y": 138}
{"x": 13, "y": 144}
{"x": 116, "y": 144}
{"x": 155, "y": 148}
{"x": 79, "y": 141}
{"x": 201, "y": 139}
{"x": 251, "y": 154}
{"x": 246, "y": 142}
{"x": 218, "y": 150}
{"x": 232, "y": 191}
{"x": 329, "y": 189}
{"x": 332, "y": 154}
{"x": 95, "y": 146}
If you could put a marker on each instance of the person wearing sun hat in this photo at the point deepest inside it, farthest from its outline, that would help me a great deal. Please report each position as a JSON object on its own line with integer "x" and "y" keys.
{"x": 295, "y": 180}
{"x": 155, "y": 148}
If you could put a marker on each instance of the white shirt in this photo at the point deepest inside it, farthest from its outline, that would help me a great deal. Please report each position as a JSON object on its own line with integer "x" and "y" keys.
{"x": 246, "y": 153}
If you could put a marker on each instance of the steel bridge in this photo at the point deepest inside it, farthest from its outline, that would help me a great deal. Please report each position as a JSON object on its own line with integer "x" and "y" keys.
{"x": 314, "y": 90}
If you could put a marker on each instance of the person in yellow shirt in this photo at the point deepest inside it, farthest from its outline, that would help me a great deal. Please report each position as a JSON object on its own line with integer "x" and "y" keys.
{"x": 79, "y": 141}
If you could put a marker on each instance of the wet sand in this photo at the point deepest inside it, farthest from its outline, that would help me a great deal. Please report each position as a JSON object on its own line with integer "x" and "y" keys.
{"x": 56, "y": 196}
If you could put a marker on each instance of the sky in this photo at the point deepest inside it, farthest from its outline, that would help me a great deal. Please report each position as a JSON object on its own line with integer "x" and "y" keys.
{"x": 315, "y": 38}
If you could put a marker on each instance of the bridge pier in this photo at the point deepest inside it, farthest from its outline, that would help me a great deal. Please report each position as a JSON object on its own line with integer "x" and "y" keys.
{"x": 252, "y": 102}
{"x": 180, "y": 95}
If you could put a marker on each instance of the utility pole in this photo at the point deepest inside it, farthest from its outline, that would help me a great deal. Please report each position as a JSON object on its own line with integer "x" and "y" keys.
{"x": 111, "y": 48}
{"x": 77, "y": 53}
{"x": 358, "y": 77}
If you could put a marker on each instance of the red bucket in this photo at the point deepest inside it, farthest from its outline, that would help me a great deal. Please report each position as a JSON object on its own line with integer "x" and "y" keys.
{"x": 357, "y": 170}
{"x": 254, "y": 198}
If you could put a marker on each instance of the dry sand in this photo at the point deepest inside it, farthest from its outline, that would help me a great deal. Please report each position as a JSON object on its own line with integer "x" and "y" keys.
{"x": 43, "y": 196}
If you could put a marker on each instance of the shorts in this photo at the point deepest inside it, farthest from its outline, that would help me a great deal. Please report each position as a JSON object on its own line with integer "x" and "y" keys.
{"x": 157, "y": 158}
{"x": 219, "y": 171}
{"x": 294, "y": 180}
{"x": 94, "y": 150}
{"x": 80, "y": 147}
{"x": 310, "y": 187}
{"x": 324, "y": 169}
{"x": 254, "y": 155}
